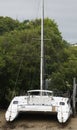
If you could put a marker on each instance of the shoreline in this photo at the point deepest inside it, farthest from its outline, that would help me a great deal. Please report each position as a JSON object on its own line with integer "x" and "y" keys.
{"x": 36, "y": 122}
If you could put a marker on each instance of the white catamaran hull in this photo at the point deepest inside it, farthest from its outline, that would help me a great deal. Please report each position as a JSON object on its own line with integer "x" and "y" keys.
{"x": 40, "y": 103}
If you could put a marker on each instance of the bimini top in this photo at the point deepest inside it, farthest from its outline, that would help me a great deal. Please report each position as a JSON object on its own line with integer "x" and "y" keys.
{"x": 38, "y": 92}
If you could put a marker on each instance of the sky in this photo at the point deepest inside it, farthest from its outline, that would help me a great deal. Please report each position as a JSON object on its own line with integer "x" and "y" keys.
{"x": 64, "y": 12}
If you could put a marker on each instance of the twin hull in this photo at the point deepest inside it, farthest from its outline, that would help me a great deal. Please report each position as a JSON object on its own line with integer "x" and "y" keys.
{"x": 47, "y": 104}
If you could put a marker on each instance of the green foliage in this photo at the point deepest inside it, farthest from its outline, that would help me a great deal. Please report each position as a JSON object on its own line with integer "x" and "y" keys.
{"x": 7, "y": 24}
{"x": 20, "y": 57}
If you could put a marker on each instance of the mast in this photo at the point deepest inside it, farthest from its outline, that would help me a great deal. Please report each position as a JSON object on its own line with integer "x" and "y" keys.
{"x": 42, "y": 47}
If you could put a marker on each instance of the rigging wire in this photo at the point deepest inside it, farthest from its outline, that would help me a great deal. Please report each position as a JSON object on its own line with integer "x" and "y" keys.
{"x": 20, "y": 65}
{"x": 22, "y": 57}
{"x": 19, "y": 69}
{"x": 46, "y": 8}
{"x": 36, "y": 8}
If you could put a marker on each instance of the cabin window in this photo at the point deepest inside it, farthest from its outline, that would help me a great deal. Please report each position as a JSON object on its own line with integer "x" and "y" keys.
{"x": 37, "y": 93}
{"x": 34, "y": 93}
{"x": 62, "y": 103}
{"x": 15, "y": 102}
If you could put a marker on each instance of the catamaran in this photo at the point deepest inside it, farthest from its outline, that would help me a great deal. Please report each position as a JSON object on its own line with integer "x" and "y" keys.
{"x": 40, "y": 100}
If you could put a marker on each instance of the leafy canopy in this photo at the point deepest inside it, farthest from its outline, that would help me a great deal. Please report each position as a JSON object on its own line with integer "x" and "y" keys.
{"x": 20, "y": 57}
